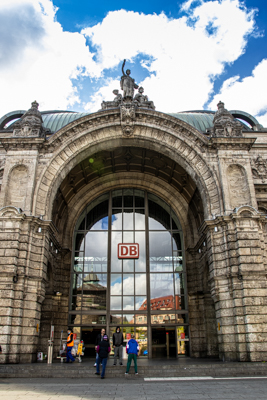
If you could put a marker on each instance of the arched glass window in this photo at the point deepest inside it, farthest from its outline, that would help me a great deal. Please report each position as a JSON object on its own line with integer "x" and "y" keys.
{"x": 107, "y": 290}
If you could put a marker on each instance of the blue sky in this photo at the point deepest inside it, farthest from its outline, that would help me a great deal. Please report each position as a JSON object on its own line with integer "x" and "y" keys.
{"x": 187, "y": 55}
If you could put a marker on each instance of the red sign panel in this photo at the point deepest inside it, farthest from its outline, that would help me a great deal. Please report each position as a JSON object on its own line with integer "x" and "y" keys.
{"x": 128, "y": 250}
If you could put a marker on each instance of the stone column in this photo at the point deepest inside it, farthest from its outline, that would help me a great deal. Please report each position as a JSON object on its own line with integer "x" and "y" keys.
{"x": 238, "y": 284}
{"x": 25, "y": 248}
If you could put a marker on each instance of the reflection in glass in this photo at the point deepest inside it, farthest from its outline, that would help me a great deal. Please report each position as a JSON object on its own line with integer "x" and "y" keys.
{"x": 97, "y": 218}
{"x": 179, "y": 283}
{"x": 81, "y": 223}
{"x": 140, "y": 220}
{"x": 116, "y": 319}
{"x": 116, "y": 221}
{"x": 140, "y": 284}
{"x": 94, "y": 291}
{"x": 182, "y": 318}
{"x": 140, "y": 263}
{"x": 128, "y": 302}
{"x": 95, "y": 264}
{"x": 139, "y": 197}
{"x": 77, "y": 280}
{"x": 141, "y": 337}
{"x": 96, "y": 244}
{"x": 161, "y": 289}
{"x": 161, "y": 250}
{"x": 175, "y": 223}
{"x": 139, "y": 301}
{"x": 115, "y": 302}
{"x": 128, "y": 284}
{"x": 79, "y": 242}
{"x": 116, "y": 264}
{"x": 159, "y": 213}
{"x": 167, "y": 318}
{"x": 128, "y": 237}
{"x": 128, "y": 220}
{"x": 78, "y": 263}
{"x": 116, "y": 284}
{"x": 117, "y": 198}
{"x": 89, "y": 319}
{"x": 76, "y": 319}
{"x": 127, "y": 198}
{"x": 128, "y": 319}
{"x": 128, "y": 265}
{"x": 141, "y": 319}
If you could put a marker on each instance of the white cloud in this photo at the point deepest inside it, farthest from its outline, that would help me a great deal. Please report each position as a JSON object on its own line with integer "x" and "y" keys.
{"x": 44, "y": 57}
{"x": 185, "y": 58}
{"x": 246, "y": 94}
{"x": 40, "y": 59}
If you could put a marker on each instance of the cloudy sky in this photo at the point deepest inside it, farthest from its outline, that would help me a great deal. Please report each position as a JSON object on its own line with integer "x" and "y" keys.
{"x": 187, "y": 55}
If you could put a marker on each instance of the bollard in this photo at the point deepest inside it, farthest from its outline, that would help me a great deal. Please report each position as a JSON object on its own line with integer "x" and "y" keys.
{"x": 50, "y": 352}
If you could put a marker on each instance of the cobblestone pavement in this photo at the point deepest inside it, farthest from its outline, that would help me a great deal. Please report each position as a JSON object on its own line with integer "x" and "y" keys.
{"x": 132, "y": 388}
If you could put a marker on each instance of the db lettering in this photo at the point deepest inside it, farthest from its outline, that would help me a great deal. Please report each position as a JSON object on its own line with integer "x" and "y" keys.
{"x": 128, "y": 250}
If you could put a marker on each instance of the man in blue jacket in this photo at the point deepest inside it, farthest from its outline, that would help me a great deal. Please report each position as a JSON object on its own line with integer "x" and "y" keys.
{"x": 132, "y": 350}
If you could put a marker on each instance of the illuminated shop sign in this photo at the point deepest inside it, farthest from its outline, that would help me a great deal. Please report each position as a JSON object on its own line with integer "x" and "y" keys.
{"x": 128, "y": 250}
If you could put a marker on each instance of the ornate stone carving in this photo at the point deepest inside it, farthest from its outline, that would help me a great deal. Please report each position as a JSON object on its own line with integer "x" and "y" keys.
{"x": 30, "y": 124}
{"x": 128, "y": 86}
{"x": 224, "y": 123}
{"x": 142, "y": 101}
{"x": 238, "y": 186}
{"x": 112, "y": 104}
{"x": 259, "y": 168}
{"x": 127, "y": 118}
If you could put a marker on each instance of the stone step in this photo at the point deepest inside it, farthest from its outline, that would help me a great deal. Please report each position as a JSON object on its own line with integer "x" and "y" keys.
{"x": 85, "y": 370}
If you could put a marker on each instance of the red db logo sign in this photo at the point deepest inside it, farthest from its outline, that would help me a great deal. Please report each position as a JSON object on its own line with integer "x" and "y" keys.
{"x": 128, "y": 250}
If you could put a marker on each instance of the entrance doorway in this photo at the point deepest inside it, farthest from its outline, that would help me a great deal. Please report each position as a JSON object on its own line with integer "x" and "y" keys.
{"x": 163, "y": 342}
{"x": 89, "y": 337}
{"x": 145, "y": 295}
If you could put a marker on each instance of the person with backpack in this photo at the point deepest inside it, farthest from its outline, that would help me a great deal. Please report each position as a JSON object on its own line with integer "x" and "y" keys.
{"x": 103, "y": 349}
{"x": 132, "y": 349}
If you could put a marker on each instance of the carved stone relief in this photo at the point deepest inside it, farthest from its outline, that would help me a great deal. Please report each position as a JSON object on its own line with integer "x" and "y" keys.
{"x": 224, "y": 124}
{"x": 259, "y": 169}
{"x": 30, "y": 124}
{"x": 238, "y": 186}
{"x": 127, "y": 119}
{"x": 17, "y": 188}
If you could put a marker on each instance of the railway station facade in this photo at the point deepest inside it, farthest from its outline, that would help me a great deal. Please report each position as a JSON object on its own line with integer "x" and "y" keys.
{"x": 184, "y": 195}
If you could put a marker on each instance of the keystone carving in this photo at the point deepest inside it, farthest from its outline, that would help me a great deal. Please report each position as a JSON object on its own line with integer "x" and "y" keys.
{"x": 127, "y": 118}
{"x": 30, "y": 124}
{"x": 224, "y": 124}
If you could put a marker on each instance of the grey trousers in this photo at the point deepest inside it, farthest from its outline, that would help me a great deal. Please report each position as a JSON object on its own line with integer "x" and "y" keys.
{"x": 118, "y": 353}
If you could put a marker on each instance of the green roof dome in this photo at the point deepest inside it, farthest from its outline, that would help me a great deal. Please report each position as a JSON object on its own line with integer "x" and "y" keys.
{"x": 202, "y": 120}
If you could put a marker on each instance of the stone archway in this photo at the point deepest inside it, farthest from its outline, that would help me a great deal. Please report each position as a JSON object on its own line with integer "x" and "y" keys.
{"x": 163, "y": 137}
{"x": 102, "y": 131}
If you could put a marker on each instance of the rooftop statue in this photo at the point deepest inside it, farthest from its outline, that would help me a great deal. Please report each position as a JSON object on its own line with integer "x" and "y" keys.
{"x": 115, "y": 103}
{"x": 127, "y": 84}
{"x": 128, "y": 99}
{"x": 141, "y": 100}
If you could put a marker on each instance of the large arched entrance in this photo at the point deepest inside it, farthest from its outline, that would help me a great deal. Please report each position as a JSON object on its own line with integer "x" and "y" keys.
{"x": 144, "y": 292}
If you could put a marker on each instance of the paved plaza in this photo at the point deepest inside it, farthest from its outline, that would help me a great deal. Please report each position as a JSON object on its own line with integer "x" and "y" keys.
{"x": 133, "y": 388}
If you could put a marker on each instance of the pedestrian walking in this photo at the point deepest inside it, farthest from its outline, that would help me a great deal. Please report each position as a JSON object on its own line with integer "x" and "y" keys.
{"x": 132, "y": 349}
{"x": 97, "y": 341}
{"x": 103, "y": 349}
{"x": 117, "y": 345}
{"x": 70, "y": 344}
